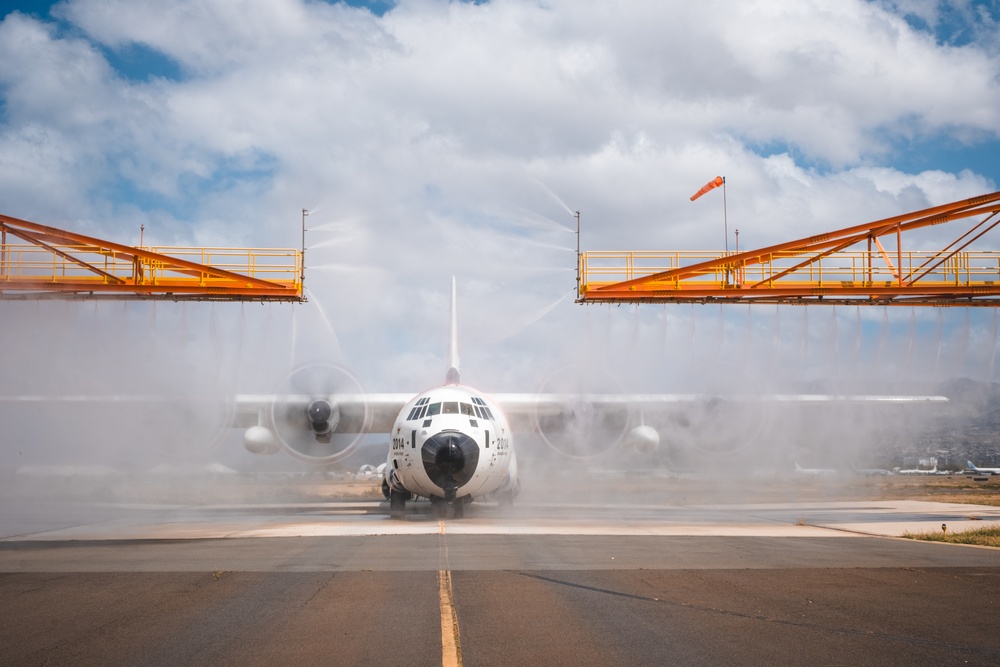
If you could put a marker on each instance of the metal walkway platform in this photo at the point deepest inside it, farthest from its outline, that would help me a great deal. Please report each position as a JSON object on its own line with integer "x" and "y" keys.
{"x": 51, "y": 263}
{"x": 823, "y": 269}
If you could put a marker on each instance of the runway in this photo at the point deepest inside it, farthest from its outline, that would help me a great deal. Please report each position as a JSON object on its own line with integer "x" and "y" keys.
{"x": 344, "y": 583}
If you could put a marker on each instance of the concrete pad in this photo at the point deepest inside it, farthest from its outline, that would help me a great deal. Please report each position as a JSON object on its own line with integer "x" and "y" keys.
{"x": 828, "y": 519}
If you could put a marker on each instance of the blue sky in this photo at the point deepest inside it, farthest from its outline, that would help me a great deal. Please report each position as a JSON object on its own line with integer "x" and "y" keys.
{"x": 432, "y": 139}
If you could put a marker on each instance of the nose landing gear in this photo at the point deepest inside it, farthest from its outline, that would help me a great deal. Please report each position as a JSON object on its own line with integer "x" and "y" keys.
{"x": 457, "y": 504}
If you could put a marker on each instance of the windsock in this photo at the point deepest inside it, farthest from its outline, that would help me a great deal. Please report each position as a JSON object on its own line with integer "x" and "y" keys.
{"x": 714, "y": 183}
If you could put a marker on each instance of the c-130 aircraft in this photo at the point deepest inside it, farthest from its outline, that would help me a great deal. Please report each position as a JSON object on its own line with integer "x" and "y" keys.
{"x": 453, "y": 444}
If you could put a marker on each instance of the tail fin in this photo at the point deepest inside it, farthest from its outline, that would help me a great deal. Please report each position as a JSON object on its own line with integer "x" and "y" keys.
{"x": 971, "y": 467}
{"x": 453, "y": 376}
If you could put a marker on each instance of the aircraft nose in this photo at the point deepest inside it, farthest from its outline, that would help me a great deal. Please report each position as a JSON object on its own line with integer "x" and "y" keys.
{"x": 450, "y": 459}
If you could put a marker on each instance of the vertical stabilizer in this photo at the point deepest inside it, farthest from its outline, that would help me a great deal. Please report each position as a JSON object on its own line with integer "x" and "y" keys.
{"x": 453, "y": 376}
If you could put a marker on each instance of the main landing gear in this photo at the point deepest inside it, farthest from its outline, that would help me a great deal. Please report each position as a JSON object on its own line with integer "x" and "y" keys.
{"x": 397, "y": 500}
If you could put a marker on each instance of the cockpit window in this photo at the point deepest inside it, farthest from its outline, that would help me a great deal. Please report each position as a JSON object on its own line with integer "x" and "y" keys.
{"x": 433, "y": 409}
{"x": 467, "y": 409}
{"x": 482, "y": 411}
{"x": 450, "y": 407}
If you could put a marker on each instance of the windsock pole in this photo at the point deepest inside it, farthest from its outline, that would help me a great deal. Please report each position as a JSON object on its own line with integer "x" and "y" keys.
{"x": 711, "y": 185}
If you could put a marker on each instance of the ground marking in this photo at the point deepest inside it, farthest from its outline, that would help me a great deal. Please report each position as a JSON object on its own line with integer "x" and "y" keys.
{"x": 451, "y": 643}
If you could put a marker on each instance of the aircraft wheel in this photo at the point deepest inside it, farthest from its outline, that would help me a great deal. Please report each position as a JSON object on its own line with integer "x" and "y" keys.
{"x": 397, "y": 501}
{"x": 459, "y": 509}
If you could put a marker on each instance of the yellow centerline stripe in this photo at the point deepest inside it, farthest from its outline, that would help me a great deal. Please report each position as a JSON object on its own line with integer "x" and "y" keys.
{"x": 451, "y": 644}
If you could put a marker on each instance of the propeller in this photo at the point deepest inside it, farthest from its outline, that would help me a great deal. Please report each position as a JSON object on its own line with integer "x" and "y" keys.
{"x": 565, "y": 417}
{"x": 320, "y": 413}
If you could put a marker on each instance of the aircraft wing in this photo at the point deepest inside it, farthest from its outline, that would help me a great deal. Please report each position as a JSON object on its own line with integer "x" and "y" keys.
{"x": 247, "y": 409}
{"x": 517, "y": 405}
{"x": 524, "y": 409}
{"x": 518, "y": 402}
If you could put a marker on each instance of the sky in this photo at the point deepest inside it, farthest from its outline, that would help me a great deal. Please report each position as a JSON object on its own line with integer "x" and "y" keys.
{"x": 431, "y": 139}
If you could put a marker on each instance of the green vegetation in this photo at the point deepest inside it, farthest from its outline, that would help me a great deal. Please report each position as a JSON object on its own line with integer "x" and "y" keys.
{"x": 988, "y": 536}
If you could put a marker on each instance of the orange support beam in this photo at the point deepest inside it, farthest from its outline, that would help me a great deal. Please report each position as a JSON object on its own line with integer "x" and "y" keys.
{"x": 53, "y": 263}
{"x": 820, "y": 269}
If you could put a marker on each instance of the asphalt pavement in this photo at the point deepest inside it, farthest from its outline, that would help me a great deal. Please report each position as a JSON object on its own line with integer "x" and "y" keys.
{"x": 342, "y": 584}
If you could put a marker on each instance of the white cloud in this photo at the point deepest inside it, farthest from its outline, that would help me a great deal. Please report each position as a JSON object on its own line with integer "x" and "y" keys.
{"x": 450, "y": 138}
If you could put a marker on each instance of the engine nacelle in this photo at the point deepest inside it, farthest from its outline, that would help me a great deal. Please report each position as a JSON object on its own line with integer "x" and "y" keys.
{"x": 643, "y": 439}
{"x": 260, "y": 440}
{"x": 319, "y": 413}
{"x": 323, "y": 418}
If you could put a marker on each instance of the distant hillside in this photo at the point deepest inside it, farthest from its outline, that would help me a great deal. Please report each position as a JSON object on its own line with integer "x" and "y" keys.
{"x": 970, "y": 428}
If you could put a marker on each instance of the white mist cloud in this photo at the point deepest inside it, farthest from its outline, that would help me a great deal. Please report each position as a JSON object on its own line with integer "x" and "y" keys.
{"x": 447, "y": 138}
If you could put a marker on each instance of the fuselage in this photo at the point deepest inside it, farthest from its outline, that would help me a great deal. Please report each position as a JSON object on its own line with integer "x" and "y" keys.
{"x": 983, "y": 471}
{"x": 919, "y": 471}
{"x": 451, "y": 442}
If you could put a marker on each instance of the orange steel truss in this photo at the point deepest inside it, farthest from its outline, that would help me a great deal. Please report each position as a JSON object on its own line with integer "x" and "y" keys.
{"x": 823, "y": 269}
{"x": 51, "y": 263}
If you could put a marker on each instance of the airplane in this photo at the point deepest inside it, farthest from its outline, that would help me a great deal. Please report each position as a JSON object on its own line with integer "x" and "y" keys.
{"x": 870, "y": 472}
{"x": 918, "y": 471}
{"x": 453, "y": 443}
{"x": 982, "y": 471}
{"x": 450, "y": 444}
{"x": 815, "y": 472}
